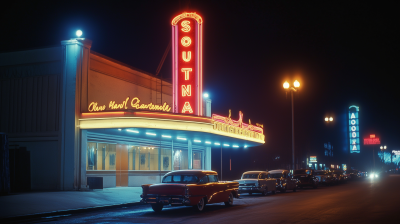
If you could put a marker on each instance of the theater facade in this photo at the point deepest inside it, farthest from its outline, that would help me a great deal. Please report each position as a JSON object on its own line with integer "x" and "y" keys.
{"x": 79, "y": 114}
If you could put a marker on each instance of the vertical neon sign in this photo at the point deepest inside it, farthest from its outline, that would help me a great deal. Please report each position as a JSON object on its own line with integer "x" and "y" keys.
{"x": 354, "y": 129}
{"x": 187, "y": 68}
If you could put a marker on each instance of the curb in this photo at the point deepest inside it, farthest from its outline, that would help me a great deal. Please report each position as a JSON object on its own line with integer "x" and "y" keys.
{"x": 20, "y": 218}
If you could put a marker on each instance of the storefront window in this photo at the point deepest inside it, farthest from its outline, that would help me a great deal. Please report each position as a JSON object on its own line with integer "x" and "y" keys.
{"x": 166, "y": 162}
{"x": 197, "y": 160}
{"x": 180, "y": 159}
{"x": 100, "y": 156}
{"x": 148, "y": 158}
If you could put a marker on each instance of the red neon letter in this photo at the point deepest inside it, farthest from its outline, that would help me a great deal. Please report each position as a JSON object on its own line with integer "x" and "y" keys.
{"x": 186, "y": 71}
{"x": 187, "y": 107}
{"x": 186, "y": 90}
{"x": 185, "y": 25}
{"x": 188, "y": 57}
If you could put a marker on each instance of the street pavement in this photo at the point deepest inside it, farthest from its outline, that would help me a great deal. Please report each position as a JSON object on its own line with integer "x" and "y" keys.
{"x": 365, "y": 201}
{"x": 23, "y": 204}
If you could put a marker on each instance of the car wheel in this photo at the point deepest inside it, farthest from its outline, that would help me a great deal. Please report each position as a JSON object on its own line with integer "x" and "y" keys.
{"x": 230, "y": 200}
{"x": 200, "y": 206}
{"x": 265, "y": 192}
{"x": 157, "y": 207}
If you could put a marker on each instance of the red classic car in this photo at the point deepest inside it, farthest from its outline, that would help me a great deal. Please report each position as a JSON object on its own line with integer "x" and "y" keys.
{"x": 191, "y": 188}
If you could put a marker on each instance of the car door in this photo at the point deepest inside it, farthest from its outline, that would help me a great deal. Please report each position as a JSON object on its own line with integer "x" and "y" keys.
{"x": 216, "y": 189}
{"x": 262, "y": 179}
{"x": 271, "y": 183}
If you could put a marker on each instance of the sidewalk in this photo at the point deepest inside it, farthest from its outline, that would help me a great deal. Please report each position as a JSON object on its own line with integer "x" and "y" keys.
{"x": 23, "y": 204}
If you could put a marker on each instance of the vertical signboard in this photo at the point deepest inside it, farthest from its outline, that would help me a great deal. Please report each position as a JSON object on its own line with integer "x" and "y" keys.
{"x": 187, "y": 63}
{"x": 354, "y": 129}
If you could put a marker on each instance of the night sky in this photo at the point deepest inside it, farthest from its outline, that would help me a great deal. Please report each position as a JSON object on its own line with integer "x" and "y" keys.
{"x": 342, "y": 54}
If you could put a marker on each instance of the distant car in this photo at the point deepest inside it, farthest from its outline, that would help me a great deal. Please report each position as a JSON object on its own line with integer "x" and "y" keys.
{"x": 324, "y": 177}
{"x": 256, "y": 182}
{"x": 191, "y": 188}
{"x": 284, "y": 180}
{"x": 305, "y": 178}
{"x": 338, "y": 176}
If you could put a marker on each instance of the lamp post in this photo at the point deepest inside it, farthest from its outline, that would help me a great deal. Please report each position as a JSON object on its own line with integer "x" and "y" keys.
{"x": 329, "y": 146}
{"x": 383, "y": 147}
{"x": 292, "y": 89}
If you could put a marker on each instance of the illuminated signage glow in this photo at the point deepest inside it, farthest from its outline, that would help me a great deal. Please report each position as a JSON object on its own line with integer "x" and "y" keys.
{"x": 313, "y": 159}
{"x": 226, "y": 124}
{"x": 354, "y": 130}
{"x": 372, "y": 140}
{"x": 187, "y": 64}
{"x": 134, "y": 104}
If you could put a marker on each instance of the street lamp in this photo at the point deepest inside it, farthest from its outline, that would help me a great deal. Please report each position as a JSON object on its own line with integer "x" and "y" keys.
{"x": 383, "y": 147}
{"x": 292, "y": 89}
{"x": 330, "y": 119}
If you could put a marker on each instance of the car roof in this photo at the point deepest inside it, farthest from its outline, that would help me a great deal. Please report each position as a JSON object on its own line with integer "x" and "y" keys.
{"x": 256, "y": 172}
{"x": 278, "y": 171}
{"x": 192, "y": 172}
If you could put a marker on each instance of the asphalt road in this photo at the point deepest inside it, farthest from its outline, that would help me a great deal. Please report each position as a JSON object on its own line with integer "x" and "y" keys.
{"x": 364, "y": 201}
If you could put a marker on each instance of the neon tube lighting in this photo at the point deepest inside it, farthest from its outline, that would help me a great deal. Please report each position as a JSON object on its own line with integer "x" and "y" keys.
{"x": 166, "y": 136}
{"x": 245, "y": 146}
{"x": 226, "y": 145}
{"x": 217, "y": 143}
{"x": 235, "y": 146}
{"x": 208, "y": 142}
{"x": 132, "y": 131}
{"x": 147, "y": 133}
{"x": 181, "y": 138}
{"x": 119, "y": 129}
{"x": 196, "y": 140}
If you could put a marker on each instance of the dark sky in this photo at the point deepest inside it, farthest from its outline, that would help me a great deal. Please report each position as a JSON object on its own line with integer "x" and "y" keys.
{"x": 343, "y": 53}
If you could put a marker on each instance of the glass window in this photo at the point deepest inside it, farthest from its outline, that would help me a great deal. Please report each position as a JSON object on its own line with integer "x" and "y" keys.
{"x": 213, "y": 178}
{"x": 276, "y": 175}
{"x": 203, "y": 180}
{"x": 133, "y": 157}
{"x": 250, "y": 176}
{"x": 180, "y": 159}
{"x": 197, "y": 160}
{"x": 180, "y": 179}
{"x": 148, "y": 158}
{"x": 100, "y": 156}
{"x": 166, "y": 159}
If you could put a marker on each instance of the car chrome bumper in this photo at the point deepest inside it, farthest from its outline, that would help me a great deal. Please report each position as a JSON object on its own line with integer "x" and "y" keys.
{"x": 166, "y": 200}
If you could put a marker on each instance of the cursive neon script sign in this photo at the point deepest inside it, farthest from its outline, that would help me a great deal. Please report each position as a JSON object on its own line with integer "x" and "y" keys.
{"x": 187, "y": 63}
{"x": 128, "y": 104}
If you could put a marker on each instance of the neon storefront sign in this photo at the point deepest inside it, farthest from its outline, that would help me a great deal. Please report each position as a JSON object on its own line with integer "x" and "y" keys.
{"x": 128, "y": 104}
{"x": 354, "y": 129}
{"x": 187, "y": 63}
{"x": 226, "y": 124}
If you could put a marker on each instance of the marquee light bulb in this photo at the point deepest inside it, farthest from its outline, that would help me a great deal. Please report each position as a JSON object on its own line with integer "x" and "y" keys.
{"x": 286, "y": 85}
{"x": 79, "y": 33}
{"x": 296, "y": 84}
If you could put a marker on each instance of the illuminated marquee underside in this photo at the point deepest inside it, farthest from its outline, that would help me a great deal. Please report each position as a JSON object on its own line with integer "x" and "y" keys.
{"x": 165, "y": 121}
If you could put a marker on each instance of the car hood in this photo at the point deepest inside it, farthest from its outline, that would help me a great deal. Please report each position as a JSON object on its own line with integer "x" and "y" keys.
{"x": 247, "y": 181}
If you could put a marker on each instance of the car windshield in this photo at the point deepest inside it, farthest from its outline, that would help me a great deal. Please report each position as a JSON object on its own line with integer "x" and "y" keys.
{"x": 276, "y": 175}
{"x": 250, "y": 176}
{"x": 180, "y": 179}
{"x": 302, "y": 172}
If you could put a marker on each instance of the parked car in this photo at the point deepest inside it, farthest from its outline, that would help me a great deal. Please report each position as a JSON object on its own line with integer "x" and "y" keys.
{"x": 305, "y": 178}
{"x": 338, "y": 176}
{"x": 257, "y": 182}
{"x": 284, "y": 180}
{"x": 190, "y": 188}
{"x": 324, "y": 177}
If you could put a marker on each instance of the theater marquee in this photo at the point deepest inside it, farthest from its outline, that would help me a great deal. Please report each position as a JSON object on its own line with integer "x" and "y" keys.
{"x": 187, "y": 63}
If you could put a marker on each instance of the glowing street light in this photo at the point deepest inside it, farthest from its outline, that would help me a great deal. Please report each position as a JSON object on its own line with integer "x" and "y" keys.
{"x": 205, "y": 95}
{"x": 79, "y": 33}
{"x": 292, "y": 89}
{"x": 328, "y": 119}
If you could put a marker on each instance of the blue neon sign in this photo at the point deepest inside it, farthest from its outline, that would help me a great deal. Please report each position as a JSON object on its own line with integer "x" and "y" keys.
{"x": 354, "y": 129}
